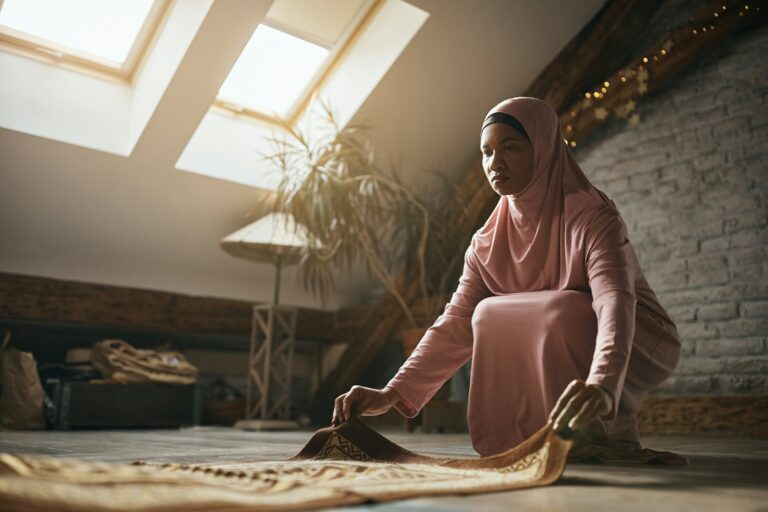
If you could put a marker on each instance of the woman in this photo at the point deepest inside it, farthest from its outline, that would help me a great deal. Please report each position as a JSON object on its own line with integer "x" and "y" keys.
{"x": 552, "y": 305}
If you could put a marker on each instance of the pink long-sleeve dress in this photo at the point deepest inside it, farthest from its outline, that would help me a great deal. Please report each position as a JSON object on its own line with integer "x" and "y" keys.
{"x": 551, "y": 291}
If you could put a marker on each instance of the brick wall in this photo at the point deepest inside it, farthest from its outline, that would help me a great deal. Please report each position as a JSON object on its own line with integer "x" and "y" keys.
{"x": 691, "y": 181}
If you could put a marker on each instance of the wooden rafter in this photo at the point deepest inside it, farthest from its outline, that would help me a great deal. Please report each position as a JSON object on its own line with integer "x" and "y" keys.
{"x": 664, "y": 60}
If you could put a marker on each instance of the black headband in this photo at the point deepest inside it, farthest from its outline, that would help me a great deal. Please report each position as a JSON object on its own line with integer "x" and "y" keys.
{"x": 501, "y": 117}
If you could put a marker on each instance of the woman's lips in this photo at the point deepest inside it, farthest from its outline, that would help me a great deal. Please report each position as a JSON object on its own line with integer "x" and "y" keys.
{"x": 499, "y": 179}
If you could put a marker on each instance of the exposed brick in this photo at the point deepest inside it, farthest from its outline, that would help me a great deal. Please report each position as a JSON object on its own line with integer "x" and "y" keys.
{"x": 694, "y": 118}
{"x": 698, "y": 365}
{"x": 725, "y": 196}
{"x": 645, "y": 180}
{"x": 744, "y": 365}
{"x": 681, "y": 172}
{"x": 757, "y": 217}
{"x": 733, "y": 130}
{"x": 686, "y": 385}
{"x": 687, "y": 347}
{"x": 747, "y": 256}
{"x": 691, "y": 181}
{"x": 709, "y": 277}
{"x": 742, "y": 327}
{"x": 707, "y": 262}
{"x": 740, "y": 383}
{"x": 721, "y": 311}
{"x": 735, "y": 98}
{"x": 754, "y": 309}
{"x": 715, "y": 244}
{"x": 632, "y": 166}
{"x": 730, "y": 346}
{"x": 749, "y": 274}
{"x": 666, "y": 188}
{"x": 683, "y": 313}
{"x": 697, "y": 330}
{"x": 685, "y": 247}
{"x": 749, "y": 237}
{"x": 662, "y": 281}
{"x": 750, "y": 151}
{"x": 718, "y": 293}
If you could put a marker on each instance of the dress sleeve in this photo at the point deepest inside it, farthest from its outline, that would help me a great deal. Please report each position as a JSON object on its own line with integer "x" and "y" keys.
{"x": 611, "y": 280}
{"x": 445, "y": 347}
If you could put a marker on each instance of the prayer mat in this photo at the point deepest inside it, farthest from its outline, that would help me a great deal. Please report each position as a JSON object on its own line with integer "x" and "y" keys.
{"x": 341, "y": 465}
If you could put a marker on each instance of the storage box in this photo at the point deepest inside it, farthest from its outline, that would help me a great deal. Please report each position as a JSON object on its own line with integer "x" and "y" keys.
{"x": 115, "y": 405}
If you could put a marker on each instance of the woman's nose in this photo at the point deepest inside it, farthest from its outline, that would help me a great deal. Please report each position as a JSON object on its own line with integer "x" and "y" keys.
{"x": 496, "y": 163}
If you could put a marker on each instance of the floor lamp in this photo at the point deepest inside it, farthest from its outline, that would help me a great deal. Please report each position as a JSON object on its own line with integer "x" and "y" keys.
{"x": 273, "y": 239}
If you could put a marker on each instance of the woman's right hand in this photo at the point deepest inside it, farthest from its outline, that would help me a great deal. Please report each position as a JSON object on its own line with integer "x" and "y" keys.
{"x": 363, "y": 401}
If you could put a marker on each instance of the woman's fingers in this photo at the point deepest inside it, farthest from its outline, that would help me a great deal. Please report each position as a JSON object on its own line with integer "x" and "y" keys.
{"x": 571, "y": 391}
{"x": 571, "y": 409}
{"x": 574, "y": 404}
{"x": 345, "y": 406}
{"x": 337, "y": 404}
{"x": 349, "y": 401}
{"x": 360, "y": 401}
{"x": 581, "y": 409}
{"x": 586, "y": 413}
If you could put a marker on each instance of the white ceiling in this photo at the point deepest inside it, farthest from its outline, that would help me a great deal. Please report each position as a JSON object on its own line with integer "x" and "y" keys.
{"x": 75, "y": 213}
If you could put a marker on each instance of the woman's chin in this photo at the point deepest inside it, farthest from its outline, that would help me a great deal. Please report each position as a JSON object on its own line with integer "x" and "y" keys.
{"x": 505, "y": 188}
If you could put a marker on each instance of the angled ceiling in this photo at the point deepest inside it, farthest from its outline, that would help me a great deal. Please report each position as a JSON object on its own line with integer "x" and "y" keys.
{"x": 82, "y": 214}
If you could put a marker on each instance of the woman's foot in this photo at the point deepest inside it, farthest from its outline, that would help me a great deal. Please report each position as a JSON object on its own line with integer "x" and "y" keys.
{"x": 595, "y": 450}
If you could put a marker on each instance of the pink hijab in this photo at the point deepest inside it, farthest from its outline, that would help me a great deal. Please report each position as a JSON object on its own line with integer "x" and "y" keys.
{"x": 522, "y": 246}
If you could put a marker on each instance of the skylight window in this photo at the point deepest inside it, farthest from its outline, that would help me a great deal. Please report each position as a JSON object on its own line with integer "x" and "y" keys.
{"x": 273, "y": 72}
{"x": 107, "y": 33}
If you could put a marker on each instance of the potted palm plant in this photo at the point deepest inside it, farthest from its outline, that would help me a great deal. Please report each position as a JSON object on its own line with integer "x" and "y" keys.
{"x": 353, "y": 209}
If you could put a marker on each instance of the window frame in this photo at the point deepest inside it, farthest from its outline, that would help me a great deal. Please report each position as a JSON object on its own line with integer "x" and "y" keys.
{"x": 336, "y": 52}
{"x": 38, "y": 48}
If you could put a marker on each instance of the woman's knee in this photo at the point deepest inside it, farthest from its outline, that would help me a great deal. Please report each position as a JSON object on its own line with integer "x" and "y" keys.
{"x": 566, "y": 306}
{"x": 484, "y": 313}
{"x": 551, "y": 309}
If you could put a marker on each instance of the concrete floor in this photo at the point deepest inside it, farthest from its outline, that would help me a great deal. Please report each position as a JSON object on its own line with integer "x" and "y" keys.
{"x": 726, "y": 474}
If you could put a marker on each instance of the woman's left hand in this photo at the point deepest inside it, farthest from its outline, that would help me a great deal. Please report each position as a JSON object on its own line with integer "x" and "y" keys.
{"x": 579, "y": 405}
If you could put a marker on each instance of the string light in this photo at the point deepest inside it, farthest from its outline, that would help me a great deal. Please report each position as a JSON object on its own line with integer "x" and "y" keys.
{"x": 636, "y": 76}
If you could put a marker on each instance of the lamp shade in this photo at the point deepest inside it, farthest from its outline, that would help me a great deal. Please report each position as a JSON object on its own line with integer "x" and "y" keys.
{"x": 273, "y": 235}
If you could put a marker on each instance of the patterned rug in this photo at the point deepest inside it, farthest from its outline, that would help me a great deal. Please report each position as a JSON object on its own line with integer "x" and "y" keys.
{"x": 342, "y": 465}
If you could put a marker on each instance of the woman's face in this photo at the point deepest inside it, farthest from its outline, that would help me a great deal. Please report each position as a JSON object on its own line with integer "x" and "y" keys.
{"x": 507, "y": 158}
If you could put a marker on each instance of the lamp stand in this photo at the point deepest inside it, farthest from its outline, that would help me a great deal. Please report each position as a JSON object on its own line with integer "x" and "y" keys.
{"x": 268, "y": 395}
